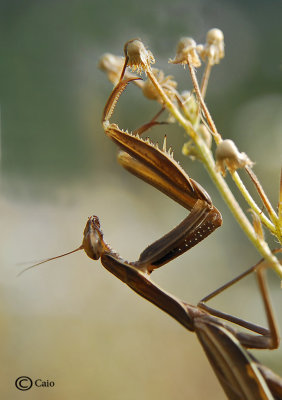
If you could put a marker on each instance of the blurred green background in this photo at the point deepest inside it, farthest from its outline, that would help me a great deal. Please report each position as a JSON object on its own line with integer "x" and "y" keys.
{"x": 70, "y": 321}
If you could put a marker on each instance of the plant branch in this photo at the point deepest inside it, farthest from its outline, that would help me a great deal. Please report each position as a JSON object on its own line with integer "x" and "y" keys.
{"x": 209, "y": 163}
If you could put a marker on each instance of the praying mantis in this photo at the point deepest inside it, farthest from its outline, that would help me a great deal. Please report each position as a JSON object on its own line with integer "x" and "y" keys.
{"x": 240, "y": 375}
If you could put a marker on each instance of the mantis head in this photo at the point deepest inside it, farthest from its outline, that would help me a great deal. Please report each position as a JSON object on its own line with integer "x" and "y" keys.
{"x": 93, "y": 243}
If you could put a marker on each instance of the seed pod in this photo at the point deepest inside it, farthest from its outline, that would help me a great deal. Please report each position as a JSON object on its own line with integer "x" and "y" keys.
{"x": 138, "y": 57}
{"x": 213, "y": 50}
{"x": 227, "y": 155}
{"x": 112, "y": 65}
{"x": 186, "y": 47}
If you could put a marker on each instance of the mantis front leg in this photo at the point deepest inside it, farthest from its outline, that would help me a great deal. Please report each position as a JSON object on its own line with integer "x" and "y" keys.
{"x": 157, "y": 167}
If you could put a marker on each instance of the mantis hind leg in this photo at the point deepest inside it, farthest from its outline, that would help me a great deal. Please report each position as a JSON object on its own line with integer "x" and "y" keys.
{"x": 268, "y": 338}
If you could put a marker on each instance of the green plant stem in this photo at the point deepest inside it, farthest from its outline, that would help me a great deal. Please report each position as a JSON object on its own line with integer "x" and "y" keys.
{"x": 274, "y": 218}
{"x": 236, "y": 210}
{"x": 236, "y": 178}
{"x": 217, "y": 138}
{"x": 223, "y": 188}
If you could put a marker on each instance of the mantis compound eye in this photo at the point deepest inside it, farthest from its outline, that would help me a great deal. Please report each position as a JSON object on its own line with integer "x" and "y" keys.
{"x": 93, "y": 243}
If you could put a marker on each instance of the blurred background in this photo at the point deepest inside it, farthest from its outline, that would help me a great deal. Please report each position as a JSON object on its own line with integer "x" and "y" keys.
{"x": 70, "y": 321}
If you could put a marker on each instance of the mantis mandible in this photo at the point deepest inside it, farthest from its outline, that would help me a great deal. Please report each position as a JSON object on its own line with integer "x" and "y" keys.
{"x": 241, "y": 376}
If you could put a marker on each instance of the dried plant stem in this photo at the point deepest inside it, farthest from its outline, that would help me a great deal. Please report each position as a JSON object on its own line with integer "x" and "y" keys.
{"x": 236, "y": 178}
{"x": 222, "y": 186}
{"x": 272, "y": 214}
{"x": 206, "y": 112}
{"x": 205, "y": 79}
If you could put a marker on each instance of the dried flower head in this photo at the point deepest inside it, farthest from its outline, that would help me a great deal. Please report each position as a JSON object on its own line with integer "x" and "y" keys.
{"x": 227, "y": 155}
{"x": 166, "y": 82}
{"x": 112, "y": 65}
{"x": 137, "y": 56}
{"x": 213, "y": 50}
{"x": 186, "y": 47}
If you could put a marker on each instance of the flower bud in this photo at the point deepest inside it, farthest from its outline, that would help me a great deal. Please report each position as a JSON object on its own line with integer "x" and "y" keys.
{"x": 138, "y": 57}
{"x": 257, "y": 225}
{"x": 112, "y": 65}
{"x": 186, "y": 48}
{"x": 213, "y": 50}
{"x": 227, "y": 155}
